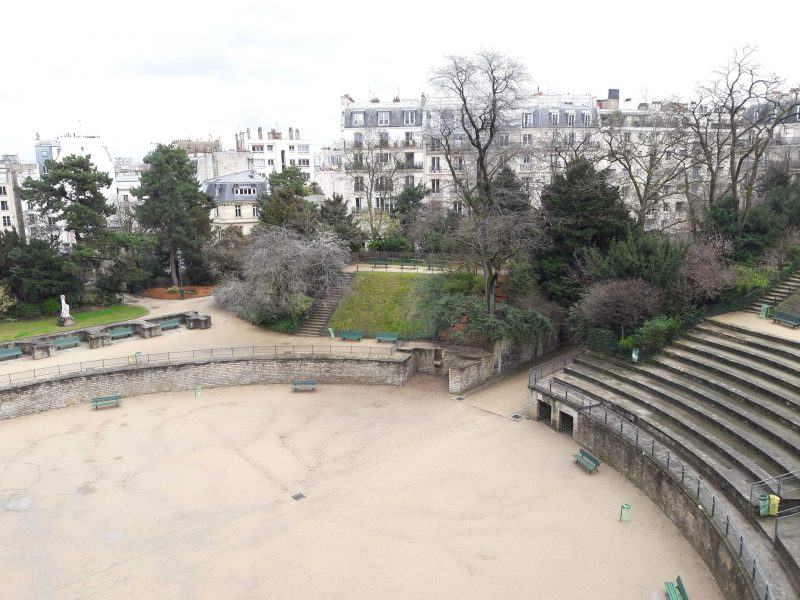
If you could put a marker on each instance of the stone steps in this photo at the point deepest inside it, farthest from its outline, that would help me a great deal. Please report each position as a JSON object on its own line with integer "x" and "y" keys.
{"x": 762, "y": 357}
{"x": 724, "y": 427}
{"x": 316, "y": 323}
{"x": 783, "y": 347}
{"x": 777, "y": 294}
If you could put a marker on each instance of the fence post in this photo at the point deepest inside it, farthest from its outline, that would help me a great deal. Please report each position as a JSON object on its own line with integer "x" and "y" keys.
{"x": 713, "y": 504}
{"x": 741, "y": 545}
{"x": 667, "y": 459}
{"x": 683, "y": 472}
{"x": 652, "y": 447}
{"x": 637, "y": 437}
{"x": 698, "y": 488}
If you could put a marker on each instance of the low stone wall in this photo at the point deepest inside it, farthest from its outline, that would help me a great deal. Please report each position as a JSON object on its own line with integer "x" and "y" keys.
{"x": 67, "y": 390}
{"x": 693, "y": 522}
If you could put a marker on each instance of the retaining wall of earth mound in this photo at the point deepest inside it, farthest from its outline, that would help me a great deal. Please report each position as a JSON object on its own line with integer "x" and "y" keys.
{"x": 67, "y": 390}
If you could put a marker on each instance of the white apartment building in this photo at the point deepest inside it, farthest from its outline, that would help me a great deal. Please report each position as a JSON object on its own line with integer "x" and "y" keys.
{"x": 272, "y": 153}
{"x": 12, "y": 209}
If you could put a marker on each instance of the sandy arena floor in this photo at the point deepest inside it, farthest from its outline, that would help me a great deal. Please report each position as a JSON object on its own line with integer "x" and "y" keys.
{"x": 409, "y": 494}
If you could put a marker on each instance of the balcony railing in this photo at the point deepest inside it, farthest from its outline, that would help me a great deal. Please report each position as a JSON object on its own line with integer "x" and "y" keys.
{"x": 435, "y": 169}
{"x": 409, "y": 166}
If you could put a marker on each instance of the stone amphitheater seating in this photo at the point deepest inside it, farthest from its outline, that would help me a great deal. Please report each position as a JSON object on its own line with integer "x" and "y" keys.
{"x": 727, "y": 399}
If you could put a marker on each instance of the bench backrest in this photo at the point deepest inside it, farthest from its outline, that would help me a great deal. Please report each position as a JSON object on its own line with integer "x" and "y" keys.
{"x": 119, "y": 330}
{"x": 9, "y": 351}
{"x": 779, "y": 314}
{"x": 680, "y": 587}
{"x": 588, "y": 456}
{"x": 106, "y": 398}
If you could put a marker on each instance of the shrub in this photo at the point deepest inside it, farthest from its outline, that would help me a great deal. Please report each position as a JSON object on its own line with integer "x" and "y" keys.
{"x": 653, "y": 334}
{"x": 173, "y": 289}
{"x": 7, "y": 301}
{"x": 746, "y": 279}
{"x": 26, "y": 310}
{"x": 600, "y": 339}
{"x": 50, "y": 306}
{"x": 621, "y": 303}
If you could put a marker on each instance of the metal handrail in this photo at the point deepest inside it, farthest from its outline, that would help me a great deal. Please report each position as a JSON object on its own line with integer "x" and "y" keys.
{"x": 689, "y": 480}
{"x": 139, "y": 359}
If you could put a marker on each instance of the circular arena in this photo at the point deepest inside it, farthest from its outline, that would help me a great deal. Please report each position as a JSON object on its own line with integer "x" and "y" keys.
{"x": 347, "y": 492}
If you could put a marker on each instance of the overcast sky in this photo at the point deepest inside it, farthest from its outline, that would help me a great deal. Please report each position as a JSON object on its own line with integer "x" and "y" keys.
{"x": 147, "y": 71}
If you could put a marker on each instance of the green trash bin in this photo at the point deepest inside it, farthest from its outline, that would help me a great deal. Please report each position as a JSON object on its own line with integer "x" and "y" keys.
{"x": 625, "y": 512}
{"x": 766, "y": 309}
{"x": 763, "y": 505}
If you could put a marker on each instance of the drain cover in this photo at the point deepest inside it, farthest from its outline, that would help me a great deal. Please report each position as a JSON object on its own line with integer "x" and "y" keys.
{"x": 459, "y": 397}
{"x": 298, "y": 496}
{"x": 516, "y": 417}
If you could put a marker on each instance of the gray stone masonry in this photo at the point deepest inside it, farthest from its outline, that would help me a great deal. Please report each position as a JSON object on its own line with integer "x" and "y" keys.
{"x": 67, "y": 390}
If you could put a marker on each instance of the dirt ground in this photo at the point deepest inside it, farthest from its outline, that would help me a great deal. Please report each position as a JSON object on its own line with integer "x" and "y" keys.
{"x": 408, "y": 494}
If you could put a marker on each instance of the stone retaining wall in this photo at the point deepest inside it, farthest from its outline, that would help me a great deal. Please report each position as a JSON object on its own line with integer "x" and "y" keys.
{"x": 67, "y": 390}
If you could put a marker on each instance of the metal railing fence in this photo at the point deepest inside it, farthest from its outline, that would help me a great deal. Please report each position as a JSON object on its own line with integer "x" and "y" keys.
{"x": 142, "y": 360}
{"x": 666, "y": 459}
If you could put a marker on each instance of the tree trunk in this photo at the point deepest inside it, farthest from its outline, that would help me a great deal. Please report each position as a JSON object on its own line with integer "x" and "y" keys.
{"x": 173, "y": 265}
{"x": 489, "y": 279}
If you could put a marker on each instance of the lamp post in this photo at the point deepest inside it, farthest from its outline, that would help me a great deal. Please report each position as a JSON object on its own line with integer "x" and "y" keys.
{"x": 179, "y": 256}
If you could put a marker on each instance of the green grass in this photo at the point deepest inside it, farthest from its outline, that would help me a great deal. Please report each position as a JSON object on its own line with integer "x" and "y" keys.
{"x": 382, "y": 302}
{"x": 101, "y": 316}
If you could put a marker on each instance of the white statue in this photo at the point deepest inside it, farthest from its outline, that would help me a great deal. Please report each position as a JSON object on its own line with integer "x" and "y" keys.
{"x": 64, "y": 308}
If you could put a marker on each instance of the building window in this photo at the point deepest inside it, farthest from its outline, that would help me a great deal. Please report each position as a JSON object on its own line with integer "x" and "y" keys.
{"x": 527, "y": 183}
{"x": 571, "y": 137}
{"x": 665, "y": 207}
{"x": 571, "y": 119}
{"x": 384, "y": 139}
{"x": 695, "y": 172}
{"x": 384, "y": 184}
{"x": 3, "y": 191}
{"x": 358, "y": 119}
{"x": 409, "y": 117}
{"x": 258, "y": 148}
{"x": 436, "y": 144}
{"x": 6, "y": 221}
{"x": 554, "y": 119}
{"x": 436, "y": 164}
{"x": 244, "y": 191}
{"x": 527, "y": 139}
{"x": 304, "y": 162}
{"x": 358, "y": 140}
{"x": 291, "y": 148}
{"x": 216, "y": 213}
{"x": 527, "y": 119}
{"x": 587, "y": 119}
{"x": 358, "y": 184}
{"x": 271, "y": 161}
{"x": 303, "y": 148}
{"x": 358, "y": 204}
{"x": 383, "y": 157}
{"x": 3, "y": 204}
{"x": 258, "y": 162}
{"x": 44, "y": 169}
{"x": 255, "y": 210}
{"x": 679, "y": 206}
{"x": 270, "y": 147}
{"x": 626, "y": 136}
{"x": 458, "y": 206}
{"x": 383, "y": 118}
{"x": 409, "y": 138}
{"x": 237, "y": 210}
{"x": 459, "y": 140}
{"x": 292, "y": 162}
{"x": 458, "y": 163}
{"x": 503, "y": 140}
{"x": 435, "y": 186}
{"x": 305, "y": 176}
{"x": 409, "y": 181}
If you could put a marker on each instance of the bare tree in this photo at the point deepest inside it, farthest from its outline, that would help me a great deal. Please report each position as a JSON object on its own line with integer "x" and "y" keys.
{"x": 621, "y": 302}
{"x": 650, "y": 153}
{"x": 373, "y": 163}
{"x": 282, "y": 273}
{"x": 472, "y": 127}
{"x": 732, "y": 122}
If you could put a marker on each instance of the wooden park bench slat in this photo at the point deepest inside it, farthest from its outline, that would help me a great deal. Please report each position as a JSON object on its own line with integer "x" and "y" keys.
{"x": 351, "y": 334}
{"x": 120, "y": 332}
{"x": 386, "y": 336}
{"x": 170, "y": 324}
{"x": 785, "y": 317}
{"x": 589, "y": 462}
{"x": 681, "y": 589}
{"x": 66, "y": 342}
{"x": 304, "y": 384}
{"x": 9, "y": 353}
{"x": 106, "y": 401}
{"x": 672, "y": 591}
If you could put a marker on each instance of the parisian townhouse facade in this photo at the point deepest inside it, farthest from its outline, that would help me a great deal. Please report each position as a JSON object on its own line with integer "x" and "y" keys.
{"x": 401, "y": 130}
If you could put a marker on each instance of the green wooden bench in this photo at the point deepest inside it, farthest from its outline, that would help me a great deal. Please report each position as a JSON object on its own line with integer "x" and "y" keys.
{"x": 779, "y": 316}
{"x": 676, "y": 591}
{"x": 408, "y": 263}
{"x": 379, "y": 262}
{"x": 66, "y": 342}
{"x": 106, "y": 401}
{"x": 304, "y": 384}
{"x": 385, "y": 336}
{"x": 589, "y": 462}
{"x": 437, "y": 265}
{"x": 351, "y": 334}
{"x": 9, "y": 353}
{"x": 120, "y": 332}
{"x": 170, "y": 324}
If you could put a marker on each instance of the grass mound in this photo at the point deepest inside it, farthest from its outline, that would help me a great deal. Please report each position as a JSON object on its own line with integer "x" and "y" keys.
{"x": 89, "y": 318}
{"x": 791, "y": 304}
{"x": 383, "y": 302}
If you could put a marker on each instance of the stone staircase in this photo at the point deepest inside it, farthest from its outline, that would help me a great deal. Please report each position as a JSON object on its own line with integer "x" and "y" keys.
{"x": 726, "y": 399}
{"x": 777, "y": 294}
{"x": 317, "y": 321}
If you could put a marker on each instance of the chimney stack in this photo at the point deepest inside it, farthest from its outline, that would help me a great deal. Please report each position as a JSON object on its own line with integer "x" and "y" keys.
{"x": 248, "y": 133}
{"x": 297, "y": 134}
{"x": 291, "y": 133}
{"x": 260, "y": 133}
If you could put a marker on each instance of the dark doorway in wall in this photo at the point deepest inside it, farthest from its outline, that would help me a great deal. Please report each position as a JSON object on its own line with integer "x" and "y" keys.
{"x": 566, "y": 423}
{"x": 545, "y": 411}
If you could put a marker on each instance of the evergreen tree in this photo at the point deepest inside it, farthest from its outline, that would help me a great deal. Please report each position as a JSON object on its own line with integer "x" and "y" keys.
{"x": 173, "y": 209}
{"x": 583, "y": 210}
{"x": 71, "y": 190}
{"x": 291, "y": 178}
{"x": 334, "y": 213}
